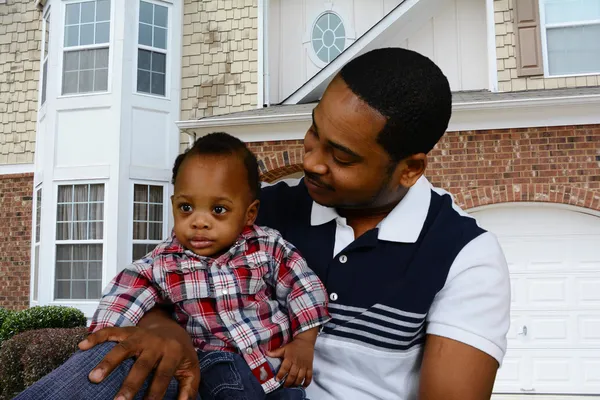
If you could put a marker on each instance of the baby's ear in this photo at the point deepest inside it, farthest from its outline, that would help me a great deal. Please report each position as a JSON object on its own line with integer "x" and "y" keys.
{"x": 252, "y": 212}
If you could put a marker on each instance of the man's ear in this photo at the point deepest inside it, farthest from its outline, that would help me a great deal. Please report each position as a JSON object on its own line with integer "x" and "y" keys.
{"x": 411, "y": 169}
{"x": 252, "y": 212}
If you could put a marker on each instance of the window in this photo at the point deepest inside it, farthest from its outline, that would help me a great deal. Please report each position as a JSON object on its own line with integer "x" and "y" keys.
{"x": 152, "y": 51}
{"x": 328, "y": 37}
{"x": 45, "y": 44}
{"x": 79, "y": 234}
{"x": 572, "y": 35}
{"x": 147, "y": 218}
{"x": 85, "y": 58}
{"x": 36, "y": 255}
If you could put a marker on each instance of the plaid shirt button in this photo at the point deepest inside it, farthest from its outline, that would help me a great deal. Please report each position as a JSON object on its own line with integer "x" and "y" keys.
{"x": 249, "y": 350}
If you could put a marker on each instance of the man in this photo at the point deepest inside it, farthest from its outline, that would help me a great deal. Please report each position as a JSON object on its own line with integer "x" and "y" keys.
{"x": 419, "y": 293}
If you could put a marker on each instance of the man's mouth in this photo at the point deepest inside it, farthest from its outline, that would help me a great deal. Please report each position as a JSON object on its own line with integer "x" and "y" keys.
{"x": 316, "y": 183}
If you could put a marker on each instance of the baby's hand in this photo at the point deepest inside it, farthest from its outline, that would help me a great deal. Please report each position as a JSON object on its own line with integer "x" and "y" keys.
{"x": 297, "y": 359}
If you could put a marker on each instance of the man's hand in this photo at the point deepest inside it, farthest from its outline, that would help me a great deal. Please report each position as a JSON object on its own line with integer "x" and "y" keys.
{"x": 297, "y": 359}
{"x": 160, "y": 346}
{"x": 455, "y": 371}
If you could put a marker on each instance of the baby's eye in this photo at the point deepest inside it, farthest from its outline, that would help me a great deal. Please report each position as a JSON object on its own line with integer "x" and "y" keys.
{"x": 219, "y": 210}
{"x": 186, "y": 208}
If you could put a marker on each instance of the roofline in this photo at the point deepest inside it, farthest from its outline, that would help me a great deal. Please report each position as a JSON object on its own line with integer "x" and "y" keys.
{"x": 329, "y": 71}
{"x": 224, "y": 121}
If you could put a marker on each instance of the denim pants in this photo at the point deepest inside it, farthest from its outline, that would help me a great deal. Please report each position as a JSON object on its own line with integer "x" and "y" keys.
{"x": 224, "y": 376}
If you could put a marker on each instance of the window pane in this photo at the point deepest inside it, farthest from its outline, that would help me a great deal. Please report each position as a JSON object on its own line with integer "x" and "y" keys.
{"x": 101, "y": 80}
{"x": 79, "y": 290}
{"x": 156, "y": 194}
{"x": 144, "y": 59}
{"x": 87, "y": 34}
{"x": 140, "y": 230}
{"x": 159, "y": 62}
{"x": 140, "y": 250}
{"x": 102, "y": 32}
{"x": 145, "y": 35}
{"x": 95, "y": 252}
{"x": 143, "y": 81}
{"x": 95, "y": 270}
{"x": 63, "y": 270}
{"x": 63, "y": 290}
{"x": 81, "y": 193}
{"x": 80, "y": 231}
{"x": 72, "y": 35}
{"x": 140, "y": 212}
{"x": 160, "y": 38}
{"x": 155, "y": 212}
{"x": 79, "y": 270}
{"x": 88, "y": 11}
{"x": 80, "y": 253}
{"x": 65, "y": 194}
{"x": 160, "y": 16}
{"x": 101, "y": 58}
{"x": 80, "y": 212}
{"x": 72, "y": 14}
{"x": 94, "y": 289}
{"x": 560, "y": 11}
{"x": 96, "y": 211}
{"x": 158, "y": 84}
{"x": 96, "y": 230}
{"x": 36, "y": 273}
{"x": 63, "y": 212}
{"x": 103, "y": 10}
{"x": 70, "y": 80}
{"x": 140, "y": 193}
{"x": 155, "y": 231}
{"x": 145, "y": 12}
{"x": 71, "y": 61}
{"x": 86, "y": 60}
{"x": 574, "y": 50}
{"x": 63, "y": 252}
{"x": 97, "y": 192}
{"x": 63, "y": 231}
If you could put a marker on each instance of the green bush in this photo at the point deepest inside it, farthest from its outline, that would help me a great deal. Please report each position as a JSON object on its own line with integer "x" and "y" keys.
{"x": 41, "y": 317}
{"x": 4, "y": 313}
{"x": 29, "y": 356}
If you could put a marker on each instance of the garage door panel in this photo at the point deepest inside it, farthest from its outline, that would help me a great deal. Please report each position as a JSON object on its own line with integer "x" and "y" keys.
{"x": 589, "y": 330}
{"x": 511, "y": 374}
{"x": 591, "y": 373}
{"x": 588, "y": 291}
{"x": 547, "y": 292}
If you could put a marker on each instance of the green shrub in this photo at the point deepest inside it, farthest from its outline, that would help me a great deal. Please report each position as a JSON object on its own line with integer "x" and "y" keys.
{"x": 41, "y": 317}
{"x": 29, "y": 356}
{"x": 4, "y": 313}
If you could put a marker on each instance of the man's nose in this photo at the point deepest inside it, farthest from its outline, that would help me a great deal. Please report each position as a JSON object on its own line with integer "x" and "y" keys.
{"x": 314, "y": 161}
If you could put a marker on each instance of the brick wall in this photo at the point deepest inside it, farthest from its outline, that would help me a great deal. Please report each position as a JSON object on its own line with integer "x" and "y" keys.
{"x": 507, "y": 63}
{"x": 20, "y": 35}
{"x": 15, "y": 239}
{"x": 554, "y": 164}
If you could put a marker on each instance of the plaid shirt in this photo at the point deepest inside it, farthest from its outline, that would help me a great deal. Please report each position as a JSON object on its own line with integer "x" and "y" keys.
{"x": 251, "y": 299}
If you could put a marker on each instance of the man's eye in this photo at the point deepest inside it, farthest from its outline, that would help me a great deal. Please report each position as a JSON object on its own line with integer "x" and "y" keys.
{"x": 219, "y": 210}
{"x": 186, "y": 208}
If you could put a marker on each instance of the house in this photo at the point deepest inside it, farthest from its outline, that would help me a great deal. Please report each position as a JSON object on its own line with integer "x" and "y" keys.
{"x": 97, "y": 97}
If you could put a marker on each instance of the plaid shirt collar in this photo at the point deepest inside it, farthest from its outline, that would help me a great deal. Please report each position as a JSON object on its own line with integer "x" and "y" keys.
{"x": 173, "y": 246}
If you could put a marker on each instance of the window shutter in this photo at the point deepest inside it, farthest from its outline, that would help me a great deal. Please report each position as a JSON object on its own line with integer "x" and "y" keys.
{"x": 528, "y": 38}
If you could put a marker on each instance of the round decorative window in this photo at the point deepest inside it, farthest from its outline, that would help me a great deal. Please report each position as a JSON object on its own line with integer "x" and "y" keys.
{"x": 328, "y": 37}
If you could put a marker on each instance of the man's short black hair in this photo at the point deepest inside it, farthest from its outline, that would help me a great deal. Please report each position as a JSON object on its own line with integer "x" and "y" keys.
{"x": 221, "y": 143}
{"x": 410, "y": 91}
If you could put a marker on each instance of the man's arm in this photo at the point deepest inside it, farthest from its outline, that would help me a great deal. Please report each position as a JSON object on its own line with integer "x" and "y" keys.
{"x": 467, "y": 325}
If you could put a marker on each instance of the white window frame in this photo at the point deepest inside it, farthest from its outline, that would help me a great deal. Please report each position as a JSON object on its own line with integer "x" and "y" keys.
{"x": 543, "y": 29}
{"x": 63, "y": 49}
{"x": 138, "y": 46}
{"x": 166, "y": 210}
{"x": 55, "y": 242}
{"x": 36, "y": 240}
{"x": 44, "y": 56}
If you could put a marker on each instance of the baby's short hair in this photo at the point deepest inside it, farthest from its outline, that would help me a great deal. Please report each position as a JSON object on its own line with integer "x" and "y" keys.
{"x": 221, "y": 143}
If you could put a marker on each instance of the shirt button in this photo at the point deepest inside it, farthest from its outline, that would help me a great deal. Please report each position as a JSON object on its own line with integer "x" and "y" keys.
{"x": 225, "y": 291}
{"x": 249, "y": 350}
{"x": 333, "y": 296}
{"x": 343, "y": 259}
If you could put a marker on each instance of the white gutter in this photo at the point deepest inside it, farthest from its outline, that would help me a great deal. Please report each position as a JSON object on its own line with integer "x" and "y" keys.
{"x": 261, "y": 58}
{"x": 214, "y": 122}
{"x": 491, "y": 46}
{"x": 265, "y": 44}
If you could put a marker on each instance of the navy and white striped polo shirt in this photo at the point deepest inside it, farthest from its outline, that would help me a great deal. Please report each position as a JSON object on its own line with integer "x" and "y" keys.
{"x": 428, "y": 268}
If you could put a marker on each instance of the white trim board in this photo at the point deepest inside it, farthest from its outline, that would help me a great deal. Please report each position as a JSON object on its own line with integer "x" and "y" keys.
{"x": 505, "y": 114}
{"x": 13, "y": 169}
{"x": 541, "y": 397}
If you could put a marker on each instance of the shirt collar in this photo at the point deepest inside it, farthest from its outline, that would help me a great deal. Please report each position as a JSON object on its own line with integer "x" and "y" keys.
{"x": 403, "y": 224}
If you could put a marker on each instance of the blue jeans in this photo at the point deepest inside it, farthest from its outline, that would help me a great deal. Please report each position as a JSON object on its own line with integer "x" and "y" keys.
{"x": 223, "y": 376}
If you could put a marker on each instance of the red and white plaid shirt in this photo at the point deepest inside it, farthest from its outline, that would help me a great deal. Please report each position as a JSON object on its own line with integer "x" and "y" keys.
{"x": 253, "y": 298}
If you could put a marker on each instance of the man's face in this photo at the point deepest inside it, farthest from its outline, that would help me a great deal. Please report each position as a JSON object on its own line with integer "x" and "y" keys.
{"x": 344, "y": 165}
{"x": 211, "y": 203}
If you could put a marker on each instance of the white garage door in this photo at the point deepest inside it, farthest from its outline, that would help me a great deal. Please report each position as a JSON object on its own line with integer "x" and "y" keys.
{"x": 553, "y": 253}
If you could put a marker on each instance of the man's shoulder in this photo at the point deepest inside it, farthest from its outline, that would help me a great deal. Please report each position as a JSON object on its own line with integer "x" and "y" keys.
{"x": 283, "y": 202}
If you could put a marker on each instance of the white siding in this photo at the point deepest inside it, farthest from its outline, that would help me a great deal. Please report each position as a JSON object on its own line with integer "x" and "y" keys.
{"x": 454, "y": 37}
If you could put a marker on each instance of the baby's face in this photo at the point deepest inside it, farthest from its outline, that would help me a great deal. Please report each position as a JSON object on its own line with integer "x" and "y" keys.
{"x": 211, "y": 203}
